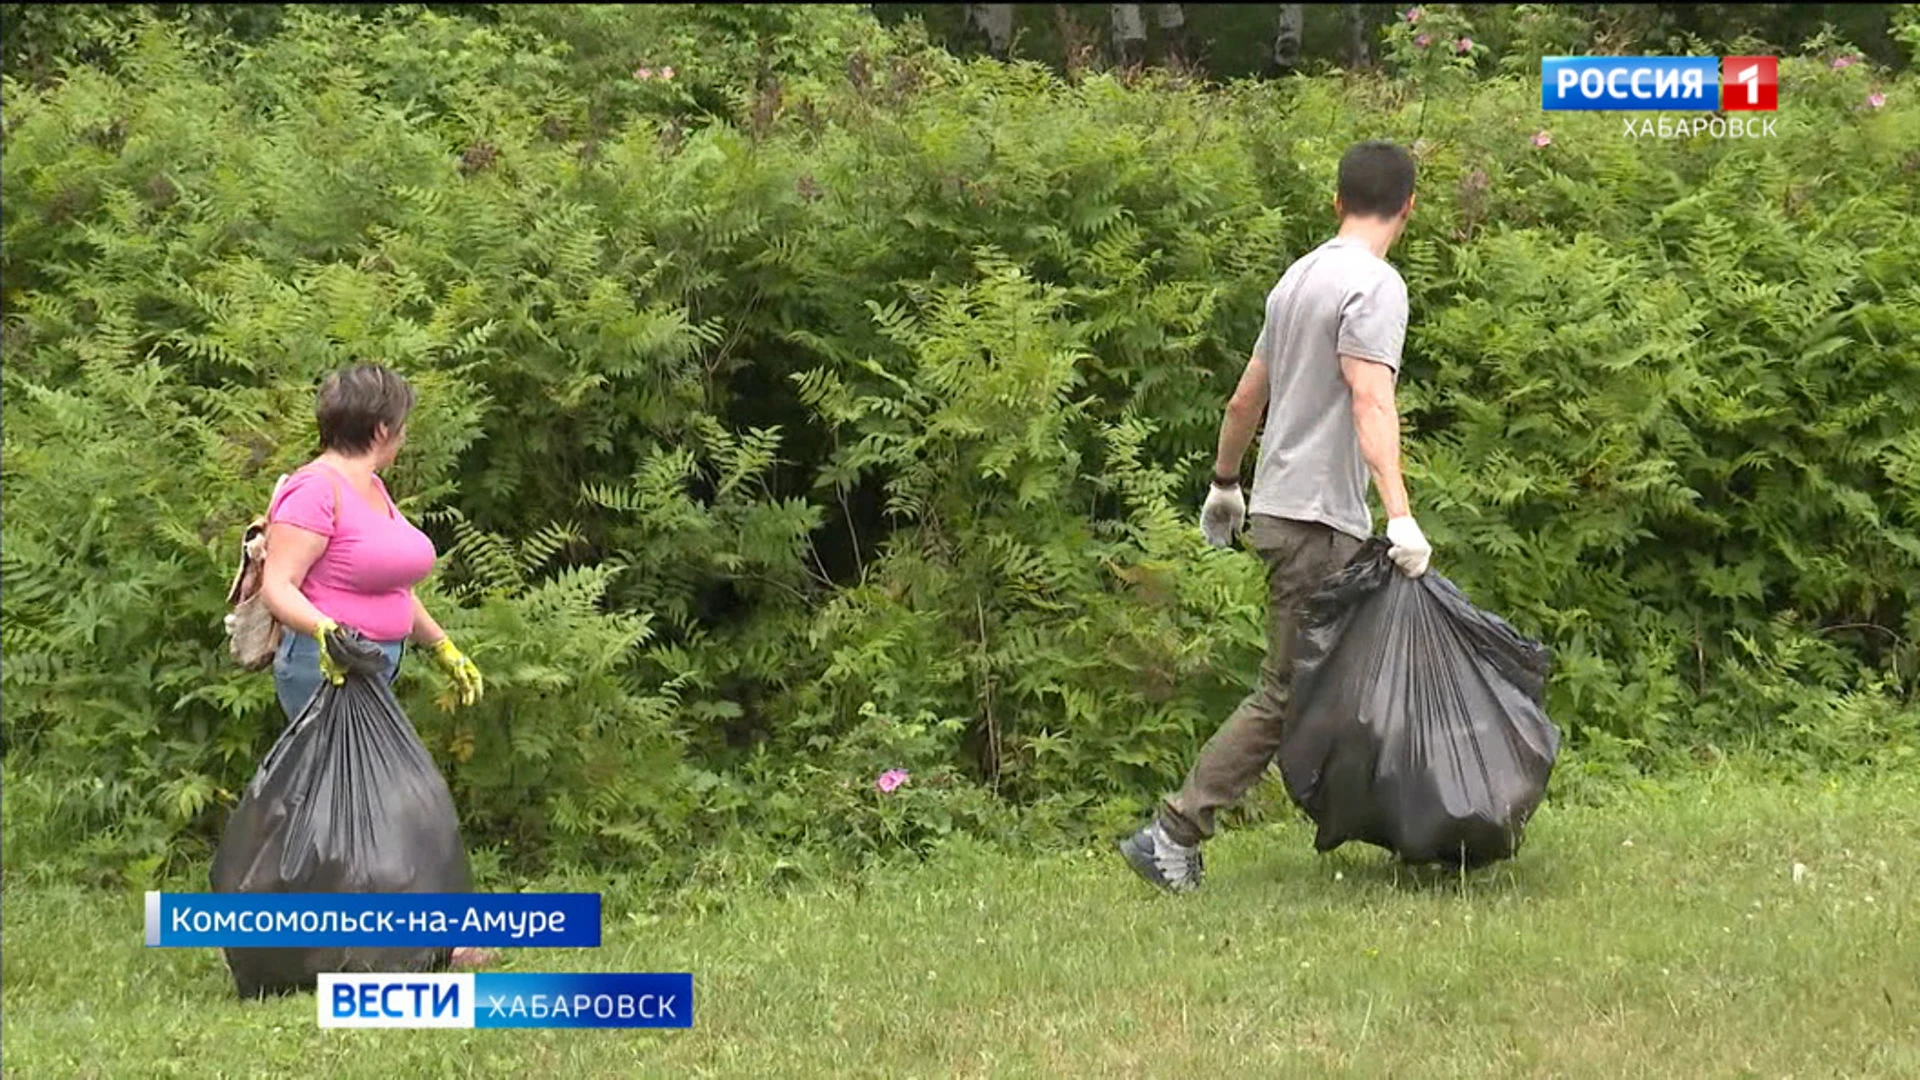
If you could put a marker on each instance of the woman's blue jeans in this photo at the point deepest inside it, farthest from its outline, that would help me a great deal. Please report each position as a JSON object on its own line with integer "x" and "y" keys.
{"x": 296, "y": 669}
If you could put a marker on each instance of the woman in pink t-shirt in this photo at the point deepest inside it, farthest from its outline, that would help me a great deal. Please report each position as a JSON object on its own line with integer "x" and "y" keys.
{"x": 339, "y": 554}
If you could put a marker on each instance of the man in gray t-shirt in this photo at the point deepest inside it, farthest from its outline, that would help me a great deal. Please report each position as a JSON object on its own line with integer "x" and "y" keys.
{"x": 1322, "y": 375}
{"x": 1338, "y": 300}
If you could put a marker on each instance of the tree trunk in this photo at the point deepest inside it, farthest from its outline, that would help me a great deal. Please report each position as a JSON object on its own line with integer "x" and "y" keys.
{"x": 995, "y": 23}
{"x": 1359, "y": 41}
{"x": 1172, "y": 20}
{"x": 1286, "y": 38}
{"x": 1129, "y": 35}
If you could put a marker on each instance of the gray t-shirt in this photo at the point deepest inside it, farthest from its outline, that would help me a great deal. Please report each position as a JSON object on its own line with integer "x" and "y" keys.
{"x": 1337, "y": 298}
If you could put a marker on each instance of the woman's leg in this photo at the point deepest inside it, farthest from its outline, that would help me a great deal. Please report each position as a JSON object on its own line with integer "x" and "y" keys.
{"x": 296, "y": 672}
{"x": 466, "y": 958}
{"x": 395, "y": 650}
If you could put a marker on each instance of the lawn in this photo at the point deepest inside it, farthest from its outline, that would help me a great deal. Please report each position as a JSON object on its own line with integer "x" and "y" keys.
{"x": 1663, "y": 934}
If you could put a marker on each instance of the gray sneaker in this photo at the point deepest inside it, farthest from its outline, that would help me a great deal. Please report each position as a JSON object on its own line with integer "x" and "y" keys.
{"x": 1155, "y": 857}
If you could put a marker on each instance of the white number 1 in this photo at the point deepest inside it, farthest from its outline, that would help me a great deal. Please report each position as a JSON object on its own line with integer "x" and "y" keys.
{"x": 1751, "y": 77}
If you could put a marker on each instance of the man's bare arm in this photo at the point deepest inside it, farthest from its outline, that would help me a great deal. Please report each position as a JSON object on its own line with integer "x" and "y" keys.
{"x": 1244, "y": 411}
{"x": 1378, "y": 424}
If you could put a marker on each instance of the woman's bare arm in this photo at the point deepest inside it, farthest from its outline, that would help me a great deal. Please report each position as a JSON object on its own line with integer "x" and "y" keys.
{"x": 291, "y": 552}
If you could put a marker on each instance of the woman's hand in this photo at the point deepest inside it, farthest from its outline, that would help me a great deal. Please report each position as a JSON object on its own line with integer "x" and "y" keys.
{"x": 329, "y": 667}
{"x": 467, "y": 684}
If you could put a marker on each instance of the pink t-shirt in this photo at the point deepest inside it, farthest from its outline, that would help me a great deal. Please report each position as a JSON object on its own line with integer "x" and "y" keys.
{"x": 374, "y": 558}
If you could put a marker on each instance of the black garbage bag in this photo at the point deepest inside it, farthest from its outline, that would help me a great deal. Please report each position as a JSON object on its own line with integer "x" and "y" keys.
{"x": 1418, "y": 721}
{"x": 346, "y": 801}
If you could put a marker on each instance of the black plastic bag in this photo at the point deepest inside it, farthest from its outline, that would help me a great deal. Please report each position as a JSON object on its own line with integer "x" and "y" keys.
{"x": 1418, "y": 721}
{"x": 346, "y": 801}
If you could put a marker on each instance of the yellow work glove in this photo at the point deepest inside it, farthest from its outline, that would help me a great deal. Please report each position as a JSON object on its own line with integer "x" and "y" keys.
{"x": 329, "y": 667}
{"x": 466, "y": 679}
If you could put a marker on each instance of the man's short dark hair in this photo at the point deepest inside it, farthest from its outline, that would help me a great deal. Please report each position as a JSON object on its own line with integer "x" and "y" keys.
{"x": 1376, "y": 179}
{"x": 355, "y": 402}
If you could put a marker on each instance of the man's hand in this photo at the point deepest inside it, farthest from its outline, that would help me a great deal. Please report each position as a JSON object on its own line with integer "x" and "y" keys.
{"x": 1226, "y": 508}
{"x": 1222, "y": 515}
{"x": 1410, "y": 551}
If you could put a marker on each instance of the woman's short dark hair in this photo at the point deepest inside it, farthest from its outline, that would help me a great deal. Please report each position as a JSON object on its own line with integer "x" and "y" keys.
{"x": 355, "y": 402}
{"x": 1376, "y": 179}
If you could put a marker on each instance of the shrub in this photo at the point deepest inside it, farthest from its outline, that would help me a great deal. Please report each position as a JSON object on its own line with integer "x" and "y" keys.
{"x": 840, "y": 406}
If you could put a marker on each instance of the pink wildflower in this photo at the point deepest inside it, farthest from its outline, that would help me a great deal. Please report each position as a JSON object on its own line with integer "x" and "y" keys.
{"x": 666, "y": 72}
{"x": 643, "y": 74}
{"x": 1463, "y": 46}
{"x": 1423, "y": 40}
{"x": 1841, "y": 63}
{"x": 890, "y": 780}
{"x": 1542, "y": 138}
{"x": 1413, "y": 15}
{"x": 1876, "y": 100}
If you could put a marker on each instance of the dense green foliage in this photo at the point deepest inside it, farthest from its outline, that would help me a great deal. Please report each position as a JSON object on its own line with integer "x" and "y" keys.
{"x": 839, "y": 405}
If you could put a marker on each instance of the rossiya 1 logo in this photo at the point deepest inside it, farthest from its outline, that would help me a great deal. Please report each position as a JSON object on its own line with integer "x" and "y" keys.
{"x": 1641, "y": 84}
{"x": 1749, "y": 84}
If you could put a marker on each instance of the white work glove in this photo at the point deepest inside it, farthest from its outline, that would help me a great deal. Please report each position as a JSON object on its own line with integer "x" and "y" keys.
{"x": 1222, "y": 515}
{"x": 1410, "y": 551}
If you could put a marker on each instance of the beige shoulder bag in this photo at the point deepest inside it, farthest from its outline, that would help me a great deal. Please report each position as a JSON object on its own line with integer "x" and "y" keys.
{"x": 253, "y": 634}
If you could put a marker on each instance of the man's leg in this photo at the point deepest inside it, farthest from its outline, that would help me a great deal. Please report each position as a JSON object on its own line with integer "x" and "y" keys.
{"x": 1229, "y": 764}
{"x": 1300, "y": 556}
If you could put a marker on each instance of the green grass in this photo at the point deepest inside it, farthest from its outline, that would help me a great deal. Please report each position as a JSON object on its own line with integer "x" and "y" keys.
{"x": 1660, "y": 935}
